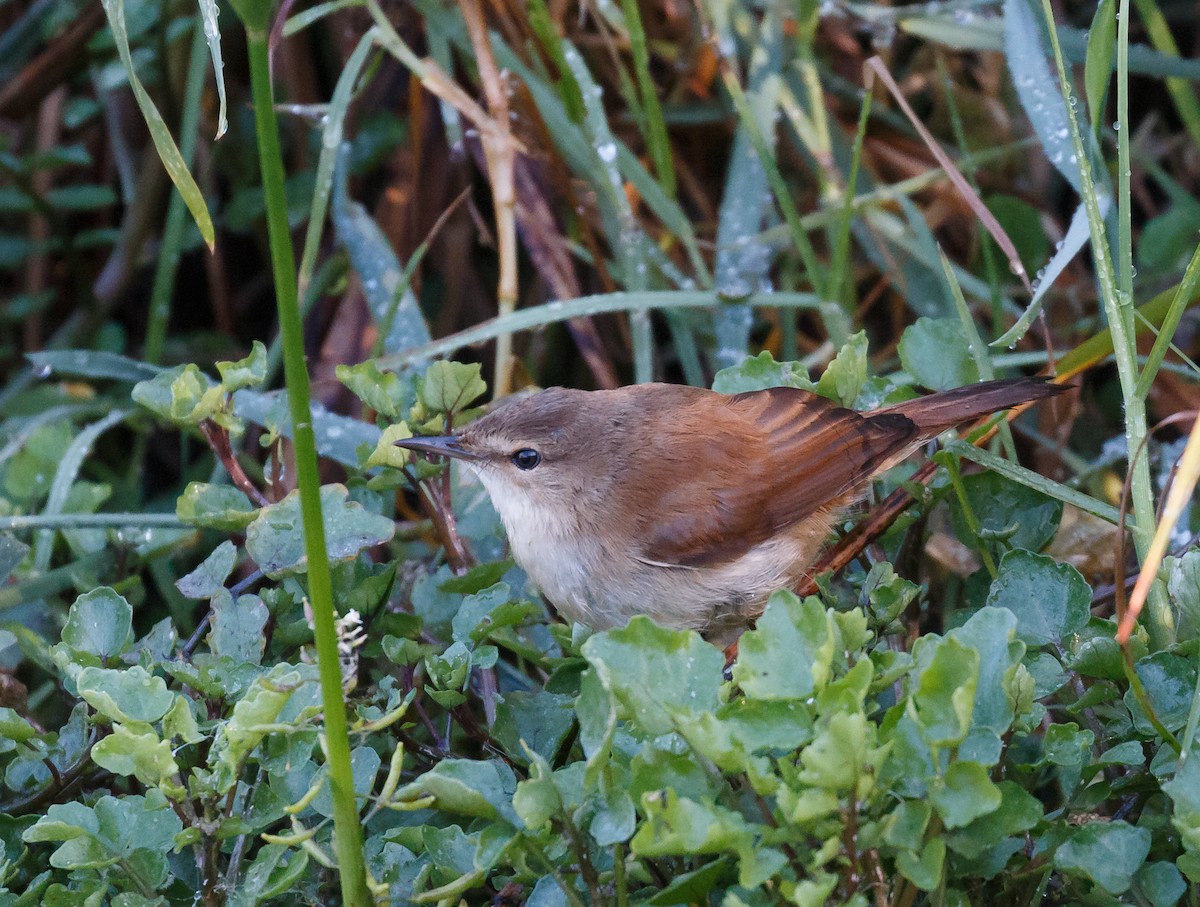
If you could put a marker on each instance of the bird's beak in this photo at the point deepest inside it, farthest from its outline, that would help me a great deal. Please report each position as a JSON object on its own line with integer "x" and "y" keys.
{"x": 444, "y": 446}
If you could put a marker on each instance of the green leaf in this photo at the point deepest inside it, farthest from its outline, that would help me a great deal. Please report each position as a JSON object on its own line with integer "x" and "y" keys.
{"x": 276, "y": 869}
{"x": 888, "y": 593}
{"x": 1098, "y": 65}
{"x": 1022, "y": 222}
{"x": 992, "y": 633}
{"x": 907, "y": 823}
{"x": 386, "y": 453}
{"x": 482, "y": 614}
{"x": 1050, "y": 600}
{"x": 759, "y": 372}
{"x": 614, "y": 820}
{"x": 1184, "y": 791}
{"x": 364, "y": 768}
{"x": 1161, "y": 884}
{"x": 676, "y": 826}
{"x": 1066, "y": 744}
{"x": 537, "y": 800}
{"x": 384, "y": 392}
{"x": 180, "y": 723}
{"x": 1170, "y": 682}
{"x": 1019, "y": 811}
{"x": 275, "y": 538}
{"x": 96, "y": 364}
{"x": 656, "y": 673}
{"x": 1108, "y": 853}
{"x": 183, "y": 395}
{"x": 468, "y": 788}
{"x": 1007, "y": 511}
{"x": 238, "y": 627}
{"x": 963, "y": 794}
{"x": 385, "y": 284}
{"x": 692, "y": 887}
{"x": 248, "y": 372}
{"x": 27, "y": 478}
{"x": 790, "y": 652}
{"x": 1048, "y": 674}
{"x": 1069, "y": 749}
{"x": 935, "y": 352}
{"x": 839, "y": 756}
{"x": 845, "y": 376}
{"x": 945, "y": 696}
{"x": 14, "y": 728}
{"x": 220, "y": 507}
{"x": 130, "y": 695}
{"x": 538, "y": 720}
{"x": 99, "y": 623}
{"x": 12, "y": 552}
{"x": 656, "y": 769}
{"x": 547, "y": 893}
{"x": 812, "y": 892}
{"x": 448, "y": 670}
{"x": 1184, "y": 586}
{"x": 209, "y": 577}
{"x": 139, "y": 752}
{"x": 253, "y": 717}
{"x": 167, "y": 150}
{"x": 1100, "y": 657}
{"x": 449, "y": 387}
{"x": 132, "y": 827}
{"x": 477, "y": 579}
{"x": 774, "y": 727}
{"x": 924, "y": 871}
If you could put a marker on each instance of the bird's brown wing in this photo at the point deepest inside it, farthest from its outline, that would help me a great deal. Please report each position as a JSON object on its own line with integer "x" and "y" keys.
{"x": 773, "y": 458}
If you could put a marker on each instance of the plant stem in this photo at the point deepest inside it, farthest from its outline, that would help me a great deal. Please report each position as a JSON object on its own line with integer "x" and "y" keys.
{"x": 347, "y": 831}
{"x": 1118, "y": 306}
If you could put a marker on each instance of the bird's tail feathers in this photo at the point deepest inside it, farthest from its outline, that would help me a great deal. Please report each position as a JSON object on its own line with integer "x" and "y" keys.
{"x": 935, "y": 413}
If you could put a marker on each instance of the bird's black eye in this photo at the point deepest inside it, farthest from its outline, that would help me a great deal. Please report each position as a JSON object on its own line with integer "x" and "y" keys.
{"x": 526, "y": 458}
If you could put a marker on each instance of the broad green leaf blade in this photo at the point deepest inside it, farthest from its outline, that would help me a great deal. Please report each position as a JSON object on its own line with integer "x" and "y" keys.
{"x": 1050, "y": 600}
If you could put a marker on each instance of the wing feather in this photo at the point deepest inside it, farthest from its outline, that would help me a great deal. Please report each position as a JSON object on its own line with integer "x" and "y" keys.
{"x": 771, "y": 459}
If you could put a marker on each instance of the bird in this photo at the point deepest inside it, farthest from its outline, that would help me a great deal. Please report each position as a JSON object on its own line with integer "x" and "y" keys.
{"x": 683, "y": 504}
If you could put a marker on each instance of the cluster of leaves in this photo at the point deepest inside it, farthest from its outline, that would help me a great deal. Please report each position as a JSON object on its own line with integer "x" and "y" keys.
{"x": 494, "y": 750}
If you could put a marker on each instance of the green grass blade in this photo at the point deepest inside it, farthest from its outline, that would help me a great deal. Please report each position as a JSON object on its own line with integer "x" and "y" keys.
{"x": 168, "y": 152}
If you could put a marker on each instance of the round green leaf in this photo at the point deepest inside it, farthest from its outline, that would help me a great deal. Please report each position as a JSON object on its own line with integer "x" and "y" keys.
{"x": 141, "y": 754}
{"x": 789, "y": 654}
{"x": 1050, "y": 600}
{"x": 1170, "y": 682}
{"x": 963, "y": 794}
{"x": 220, "y": 507}
{"x": 100, "y": 622}
{"x": 655, "y": 672}
{"x": 934, "y": 351}
{"x": 1007, "y": 511}
{"x": 1108, "y": 853}
{"x": 130, "y": 695}
{"x": 275, "y": 539}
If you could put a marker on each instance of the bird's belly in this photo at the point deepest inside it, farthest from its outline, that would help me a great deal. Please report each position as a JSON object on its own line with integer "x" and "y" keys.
{"x": 604, "y": 583}
{"x": 586, "y": 583}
